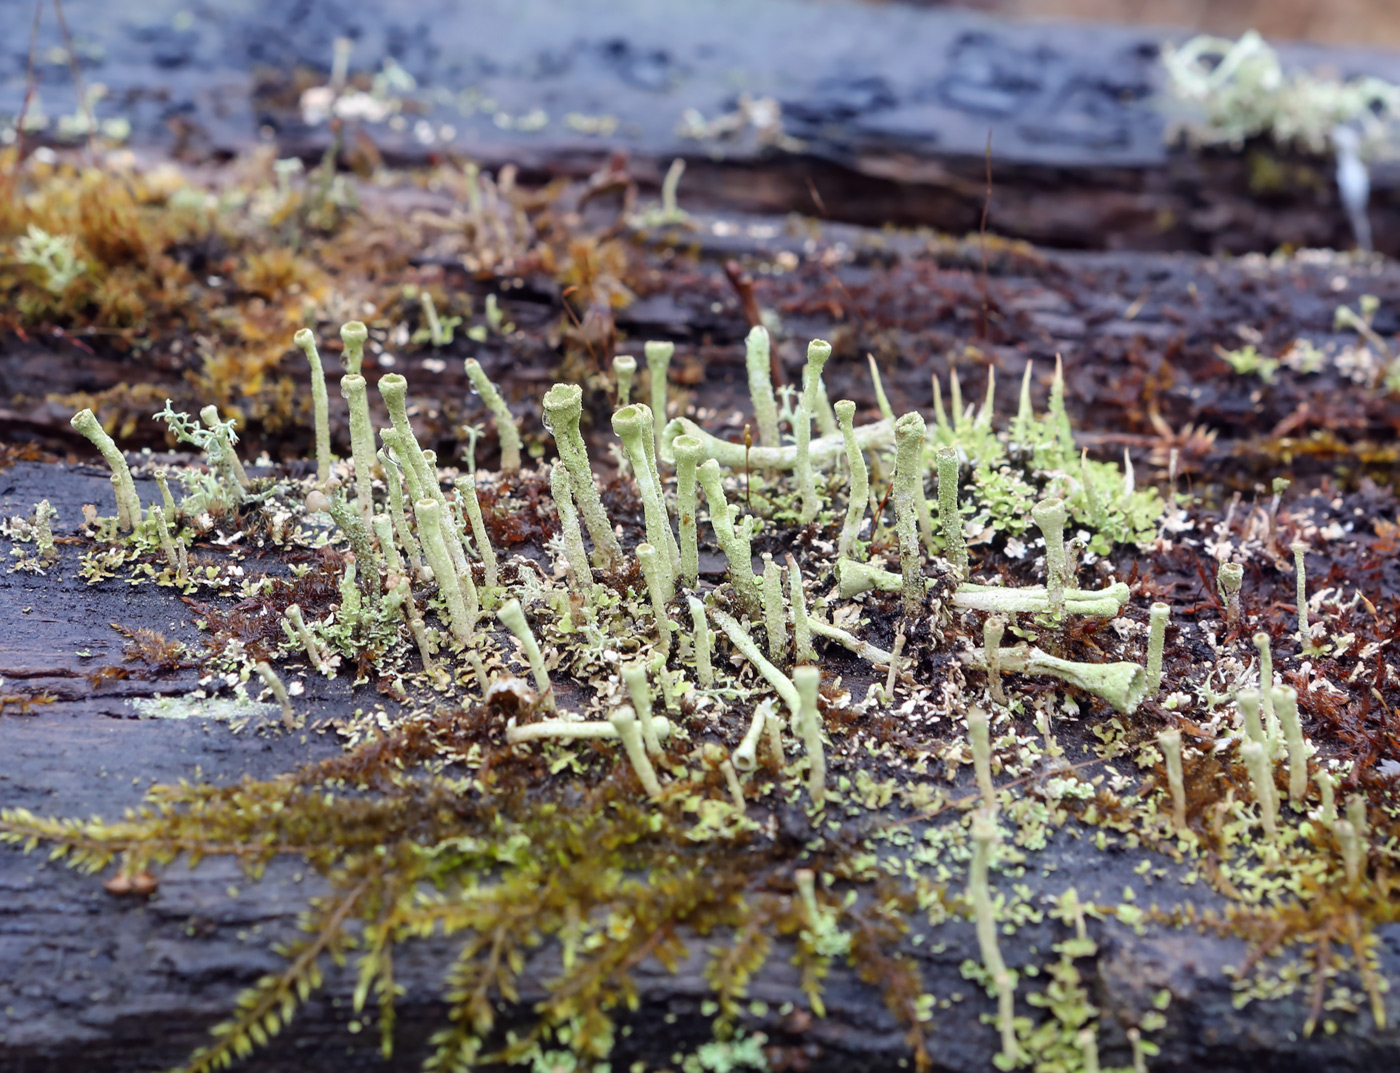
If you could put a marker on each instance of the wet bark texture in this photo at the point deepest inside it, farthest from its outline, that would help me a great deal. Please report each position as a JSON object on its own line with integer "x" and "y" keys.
{"x": 892, "y": 107}
{"x": 887, "y": 110}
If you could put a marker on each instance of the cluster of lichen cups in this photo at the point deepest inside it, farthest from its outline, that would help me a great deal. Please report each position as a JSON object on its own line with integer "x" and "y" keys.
{"x": 420, "y": 534}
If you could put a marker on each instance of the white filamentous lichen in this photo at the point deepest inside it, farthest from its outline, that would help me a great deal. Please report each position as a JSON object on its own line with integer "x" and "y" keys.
{"x": 320, "y": 404}
{"x": 506, "y": 429}
{"x": 128, "y": 502}
{"x": 563, "y": 408}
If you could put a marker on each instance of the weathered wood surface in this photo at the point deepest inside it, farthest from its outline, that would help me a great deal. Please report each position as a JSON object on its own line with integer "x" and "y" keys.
{"x": 89, "y": 980}
{"x": 886, "y": 109}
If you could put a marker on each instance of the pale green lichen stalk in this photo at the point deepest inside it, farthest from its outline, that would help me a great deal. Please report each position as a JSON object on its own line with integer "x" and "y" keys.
{"x": 774, "y": 614}
{"x": 624, "y": 369}
{"x": 700, "y": 634}
{"x": 634, "y": 675}
{"x": 1157, "y": 618}
{"x": 984, "y": 837}
{"x": 1300, "y": 567}
{"x": 561, "y": 488}
{"x": 807, "y": 723}
{"x": 1229, "y": 579}
{"x": 658, "y": 355}
{"x": 320, "y": 404}
{"x": 979, "y": 735}
{"x": 1261, "y": 774}
{"x": 353, "y": 335}
{"x": 506, "y": 428}
{"x": 758, "y": 360}
{"x": 803, "y": 652}
{"x": 860, "y": 481}
{"x": 661, "y": 588}
{"x": 1286, "y": 704}
{"x": 563, "y": 408}
{"x": 467, "y": 490}
{"x": 624, "y": 721}
{"x": 1050, "y": 515}
{"x": 128, "y": 502}
{"x": 230, "y": 465}
{"x": 688, "y": 453}
{"x": 429, "y": 516}
{"x": 355, "y": 392}
{"x": 512, "y": 617}
{"x": 909, "y": 433}
{"x": 818, "y": 351}
{"x": 633, "y": 427}
{"x": 948, "y": 516}
{"x": 733, "y": 540}
{"x": 1170, "y": 742}
{"x": 992, "y": 630}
